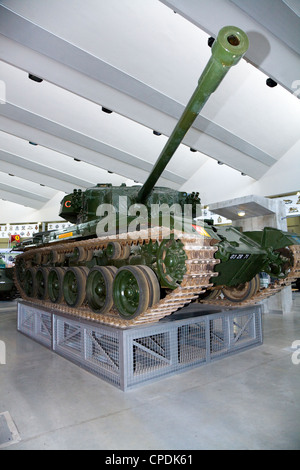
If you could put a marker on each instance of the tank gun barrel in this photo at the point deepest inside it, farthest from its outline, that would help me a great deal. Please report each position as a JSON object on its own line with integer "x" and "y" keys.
{"x": 229, "y": 47}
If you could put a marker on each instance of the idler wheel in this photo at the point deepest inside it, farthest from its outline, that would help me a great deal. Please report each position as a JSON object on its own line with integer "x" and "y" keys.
{"x": 99, "y": 289}
{"x": 242, "y": 292}
{"x": 55, "y": 284}
{"x": 41, "y": 283}
{"x": 130, "y": 292}
{"x": 74, "y": 286}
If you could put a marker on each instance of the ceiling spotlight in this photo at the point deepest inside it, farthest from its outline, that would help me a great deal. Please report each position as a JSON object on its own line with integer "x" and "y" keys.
{"x": 210, "y": 41}
{"x": 107, "y": 111}
{"x": 156, "y": 133}
{"x": 243, "y": 174}
{"x": 241, "y": 213}
{"x": 76, "y": 160}
{"x": 271, "y": 83}
{"x": 32, "y": 143}
{"x": 193, "y": 150}
{"x": 111, "y": 172}
{"x": 10, "y": 174}
{"x": 220, "y": 163}
{"x": 35, "y": 78}
{"x": 42, "y": 184}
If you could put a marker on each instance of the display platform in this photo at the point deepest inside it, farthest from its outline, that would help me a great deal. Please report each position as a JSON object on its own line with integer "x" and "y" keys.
{"x": 126, "y": 358}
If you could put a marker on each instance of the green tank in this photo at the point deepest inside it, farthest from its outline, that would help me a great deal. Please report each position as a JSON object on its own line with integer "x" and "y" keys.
{"x": 136, "y": 254}
{"x": 8, "y": 289}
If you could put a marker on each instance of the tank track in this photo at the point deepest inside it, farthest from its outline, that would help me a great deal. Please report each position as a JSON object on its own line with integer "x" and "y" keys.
{"x": 199, "y": 264}
{"x": 265, "y": 293}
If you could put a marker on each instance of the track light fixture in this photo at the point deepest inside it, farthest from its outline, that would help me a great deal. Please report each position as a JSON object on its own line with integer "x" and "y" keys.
{"x": 210, "y": 41}
{"x": 271, "y": 83}
{"x": 35, "y": 78}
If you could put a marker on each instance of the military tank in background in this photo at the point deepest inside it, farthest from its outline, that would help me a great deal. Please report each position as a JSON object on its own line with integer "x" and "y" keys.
{"x": 8, "y": 290}
{"x": 136, "y": 254}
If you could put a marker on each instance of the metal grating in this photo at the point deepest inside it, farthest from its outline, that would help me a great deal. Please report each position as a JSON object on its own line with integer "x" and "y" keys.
{"x": 192, "y": 343}
{"x": 133, "y": 356}
{"x": 37, "y": 324}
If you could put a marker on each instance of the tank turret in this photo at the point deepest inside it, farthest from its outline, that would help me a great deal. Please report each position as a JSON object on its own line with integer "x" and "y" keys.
{"x": 136, "y": 254}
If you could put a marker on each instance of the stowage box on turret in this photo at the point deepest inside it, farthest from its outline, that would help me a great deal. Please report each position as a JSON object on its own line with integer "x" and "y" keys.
{"x": 136, "y": 254}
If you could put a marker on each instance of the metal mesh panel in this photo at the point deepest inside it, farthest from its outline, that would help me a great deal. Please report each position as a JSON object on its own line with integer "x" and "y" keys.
{"x": 35, "y": 323}
{"x": 27, "y": 320}
{"x": 96, "y": 349}
{"x": 129, "y": 357}
{"x": 44, "y": 328}
{"x": 218, "y": 334}
{"x": 243, "y": 328}
{"x": 192, "y": 343}
{"x": 102, "y": 354}
{"x": 151, "y": 353}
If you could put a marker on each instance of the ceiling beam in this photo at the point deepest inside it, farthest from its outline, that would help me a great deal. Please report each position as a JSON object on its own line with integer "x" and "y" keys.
{"x": 20, "y": 171}
{"x": 23, "y": 198}
{"x": 265, "y": 47}
{"x": 90, "y": 150}
{"x": 55, "y": 178}
{"x": 44, "y": 42}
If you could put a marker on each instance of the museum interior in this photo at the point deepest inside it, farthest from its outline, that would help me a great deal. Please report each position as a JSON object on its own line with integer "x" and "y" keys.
{"x": 149, "y": 227}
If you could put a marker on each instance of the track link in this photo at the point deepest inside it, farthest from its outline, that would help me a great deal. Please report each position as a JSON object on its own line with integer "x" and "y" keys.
{"x": 199, "y": 264}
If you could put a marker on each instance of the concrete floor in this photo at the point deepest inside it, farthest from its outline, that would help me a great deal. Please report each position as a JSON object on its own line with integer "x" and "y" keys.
{"x": 247, "y": 401}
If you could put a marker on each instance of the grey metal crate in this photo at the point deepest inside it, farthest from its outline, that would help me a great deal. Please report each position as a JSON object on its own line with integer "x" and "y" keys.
{"x": 134, "y": 356}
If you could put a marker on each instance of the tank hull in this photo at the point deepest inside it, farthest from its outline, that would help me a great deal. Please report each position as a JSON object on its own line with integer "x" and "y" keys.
{"x": 187, "y": 268}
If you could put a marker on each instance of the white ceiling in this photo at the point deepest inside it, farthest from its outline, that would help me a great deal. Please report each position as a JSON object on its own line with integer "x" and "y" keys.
{"x": 142, "y": 61}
